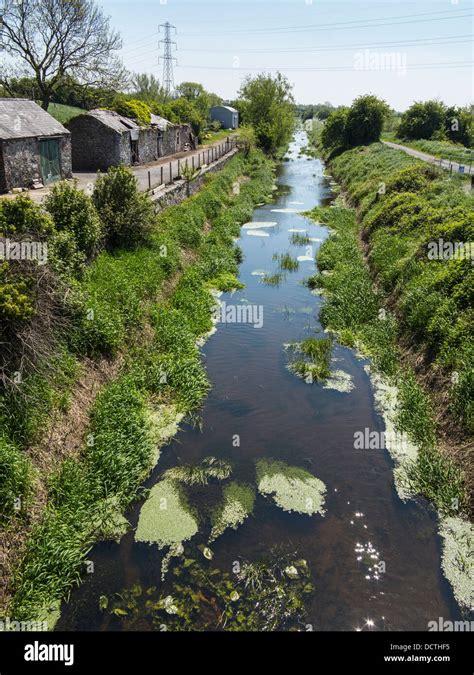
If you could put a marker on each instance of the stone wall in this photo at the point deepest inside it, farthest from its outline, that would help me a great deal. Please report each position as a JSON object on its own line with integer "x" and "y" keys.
{"x": 21, "y": 161}
{"x": 177, "y": 192}
{"x": 95, "y": 146}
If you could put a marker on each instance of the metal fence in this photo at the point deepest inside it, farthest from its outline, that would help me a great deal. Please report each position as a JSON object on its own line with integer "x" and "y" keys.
{"x": 168, "y": 172}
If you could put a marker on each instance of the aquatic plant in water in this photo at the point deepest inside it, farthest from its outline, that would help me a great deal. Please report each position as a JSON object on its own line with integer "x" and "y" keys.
{"x": 292, "y": 488}
{"x": 166, "y": 518}
{"x": 264, "y": 595}
{"x": 210, "y": 467}
{"x": 315, "y": 365}
{"x": 237, "y": 505}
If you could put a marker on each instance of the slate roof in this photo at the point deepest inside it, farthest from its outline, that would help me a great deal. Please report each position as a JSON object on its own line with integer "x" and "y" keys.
{"x": 114, "y": 120}
{"x": 21, "y": 118}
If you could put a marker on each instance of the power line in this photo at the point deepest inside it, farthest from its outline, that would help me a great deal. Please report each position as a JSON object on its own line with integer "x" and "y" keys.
{"x": 330, "y": 69}
{"x": 168, "y": 59}
{"x": 400, "y": 43}
{"x": 363, "y": 23}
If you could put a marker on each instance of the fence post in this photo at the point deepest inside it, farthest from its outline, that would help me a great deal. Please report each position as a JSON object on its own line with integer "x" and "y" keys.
{"x": 161, "y": 177}
{"x": 193, "y": 161}
{"x": 208, "y": 156}
{"x": 171, "y": 173}
{"x": 179, "y": 168}
{"x": 149, "y": 180}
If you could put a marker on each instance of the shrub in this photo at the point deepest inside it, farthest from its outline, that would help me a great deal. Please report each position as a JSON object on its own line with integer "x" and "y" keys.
{"x": 127, "y": 215}
{"x": 22, "y": 216}
{"x": 16, "y": 303}
{"x": 74, "y": 212}
{"x": 132, "y": 108}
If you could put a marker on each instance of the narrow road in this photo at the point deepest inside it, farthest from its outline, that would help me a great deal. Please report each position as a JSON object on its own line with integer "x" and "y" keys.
{"x": 153, "y": 174}
{"x": 443, "y": 163}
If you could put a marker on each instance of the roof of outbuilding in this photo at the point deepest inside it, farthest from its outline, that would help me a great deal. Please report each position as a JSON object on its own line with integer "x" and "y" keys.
{"x": 227, "y": 107}
{"x": 113, "y": 120}
{"x": 160, "y": 122}
{"x": 21, "y": 118}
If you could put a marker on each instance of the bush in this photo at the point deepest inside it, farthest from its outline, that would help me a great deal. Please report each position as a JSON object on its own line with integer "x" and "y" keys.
{"x": 22, "y": 216}
{"x": 127, "y": 215}
{"x": 74, "y": 212}
{"x": 365, "y": 120}
{"x": 16, "y": 303}
{"x": 132, "y": 108}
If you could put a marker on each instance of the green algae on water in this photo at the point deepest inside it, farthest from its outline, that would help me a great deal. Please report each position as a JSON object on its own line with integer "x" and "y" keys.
{"x": 237, "y": 505}
{"x": 292, "y": 488}
{"x": 166, "y": 518}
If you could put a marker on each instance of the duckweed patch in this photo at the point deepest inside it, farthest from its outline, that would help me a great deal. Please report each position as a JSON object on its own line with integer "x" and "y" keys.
{"x": 166, "y": 518}
{"x": 237, "y": 504}
{"x": 291, "y": 488}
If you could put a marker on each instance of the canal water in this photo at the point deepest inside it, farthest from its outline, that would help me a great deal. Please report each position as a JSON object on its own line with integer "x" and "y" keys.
{"x": 279, "y": 416}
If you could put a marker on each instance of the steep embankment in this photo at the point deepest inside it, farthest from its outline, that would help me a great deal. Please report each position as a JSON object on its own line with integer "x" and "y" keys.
{"x": 146, "y": 308}
{"x": 406, "y": 301}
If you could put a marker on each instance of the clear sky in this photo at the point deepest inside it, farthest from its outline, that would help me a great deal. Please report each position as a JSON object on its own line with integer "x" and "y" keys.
{"x": 330, "y": 50}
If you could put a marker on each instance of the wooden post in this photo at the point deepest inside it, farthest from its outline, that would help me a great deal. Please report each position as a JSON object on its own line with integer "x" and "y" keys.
{"x": 149, "y": 180}
{"x": 193, "y": 161}
{"x": 161, "y": 182}
{"x": 171, "y": 173}
{"x": 208, "y": 155}
{"x": 179, "y": 168}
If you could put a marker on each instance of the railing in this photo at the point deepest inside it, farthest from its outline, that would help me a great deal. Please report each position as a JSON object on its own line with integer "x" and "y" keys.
{"x": 168, "y": 172}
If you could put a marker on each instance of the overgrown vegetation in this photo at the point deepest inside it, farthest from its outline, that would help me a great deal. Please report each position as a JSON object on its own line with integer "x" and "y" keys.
{"x": 119, "y": 306}
{"x": 403, "y": 206}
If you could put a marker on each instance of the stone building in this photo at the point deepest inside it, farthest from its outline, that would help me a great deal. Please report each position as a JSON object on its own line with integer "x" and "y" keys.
{"x": 35, "y": 149}
{"x": 103, "y": 138}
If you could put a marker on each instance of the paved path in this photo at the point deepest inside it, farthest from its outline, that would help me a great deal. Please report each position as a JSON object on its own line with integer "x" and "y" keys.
{"x": 164, "y": 171}
{"x": 443, "y": 163}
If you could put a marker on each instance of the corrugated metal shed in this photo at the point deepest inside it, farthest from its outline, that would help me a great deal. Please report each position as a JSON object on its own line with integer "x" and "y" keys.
{"x": 21, "y": 118}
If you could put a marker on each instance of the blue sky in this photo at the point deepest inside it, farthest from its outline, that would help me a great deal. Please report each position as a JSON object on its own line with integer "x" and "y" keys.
{"x": 330, "y": 50}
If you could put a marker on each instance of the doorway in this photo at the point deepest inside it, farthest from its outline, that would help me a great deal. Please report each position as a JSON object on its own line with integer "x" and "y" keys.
{"x": 50, "y": 160}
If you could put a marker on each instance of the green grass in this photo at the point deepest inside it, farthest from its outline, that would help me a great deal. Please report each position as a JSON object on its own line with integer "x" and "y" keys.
{"x": 316, "y": 365}
{"x": 64, "y": 113}
{"x": 355, "y": 310}
{"x": 214, "y": 136}
{"x": 286, "y": 262}
{"x": 441, "y": 149}
{"x": 88, "y": 494}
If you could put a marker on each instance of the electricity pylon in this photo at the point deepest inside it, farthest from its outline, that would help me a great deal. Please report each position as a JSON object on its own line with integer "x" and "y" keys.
{"x": 167, "y": 58}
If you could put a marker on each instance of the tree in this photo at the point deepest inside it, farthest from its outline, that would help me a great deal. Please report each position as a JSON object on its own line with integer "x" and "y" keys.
{"x": 422, "y": 120}
{"x": 53, "y": 39}
{"x": 148, "y": 88}
{"x": 365, "y": 120}
{"x": 458, "y": 126}
{"x": 333, "y": 134}
{"x": 133, "y": 108}
{"x": 266, "y": 103}
{"x": 181, "y": 111}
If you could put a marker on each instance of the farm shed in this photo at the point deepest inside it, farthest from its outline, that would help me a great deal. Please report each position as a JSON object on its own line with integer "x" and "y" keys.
{"x": 227, "y": 116}
{"x": 35, "y": 149}
{"x": 103, "y": 138}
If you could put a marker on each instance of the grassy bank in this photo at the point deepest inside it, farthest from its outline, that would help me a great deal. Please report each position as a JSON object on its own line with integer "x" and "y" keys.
{"x": 441, "y": 149}
{"x": 419, "y": 313}
{"x": 145, "y": 306}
